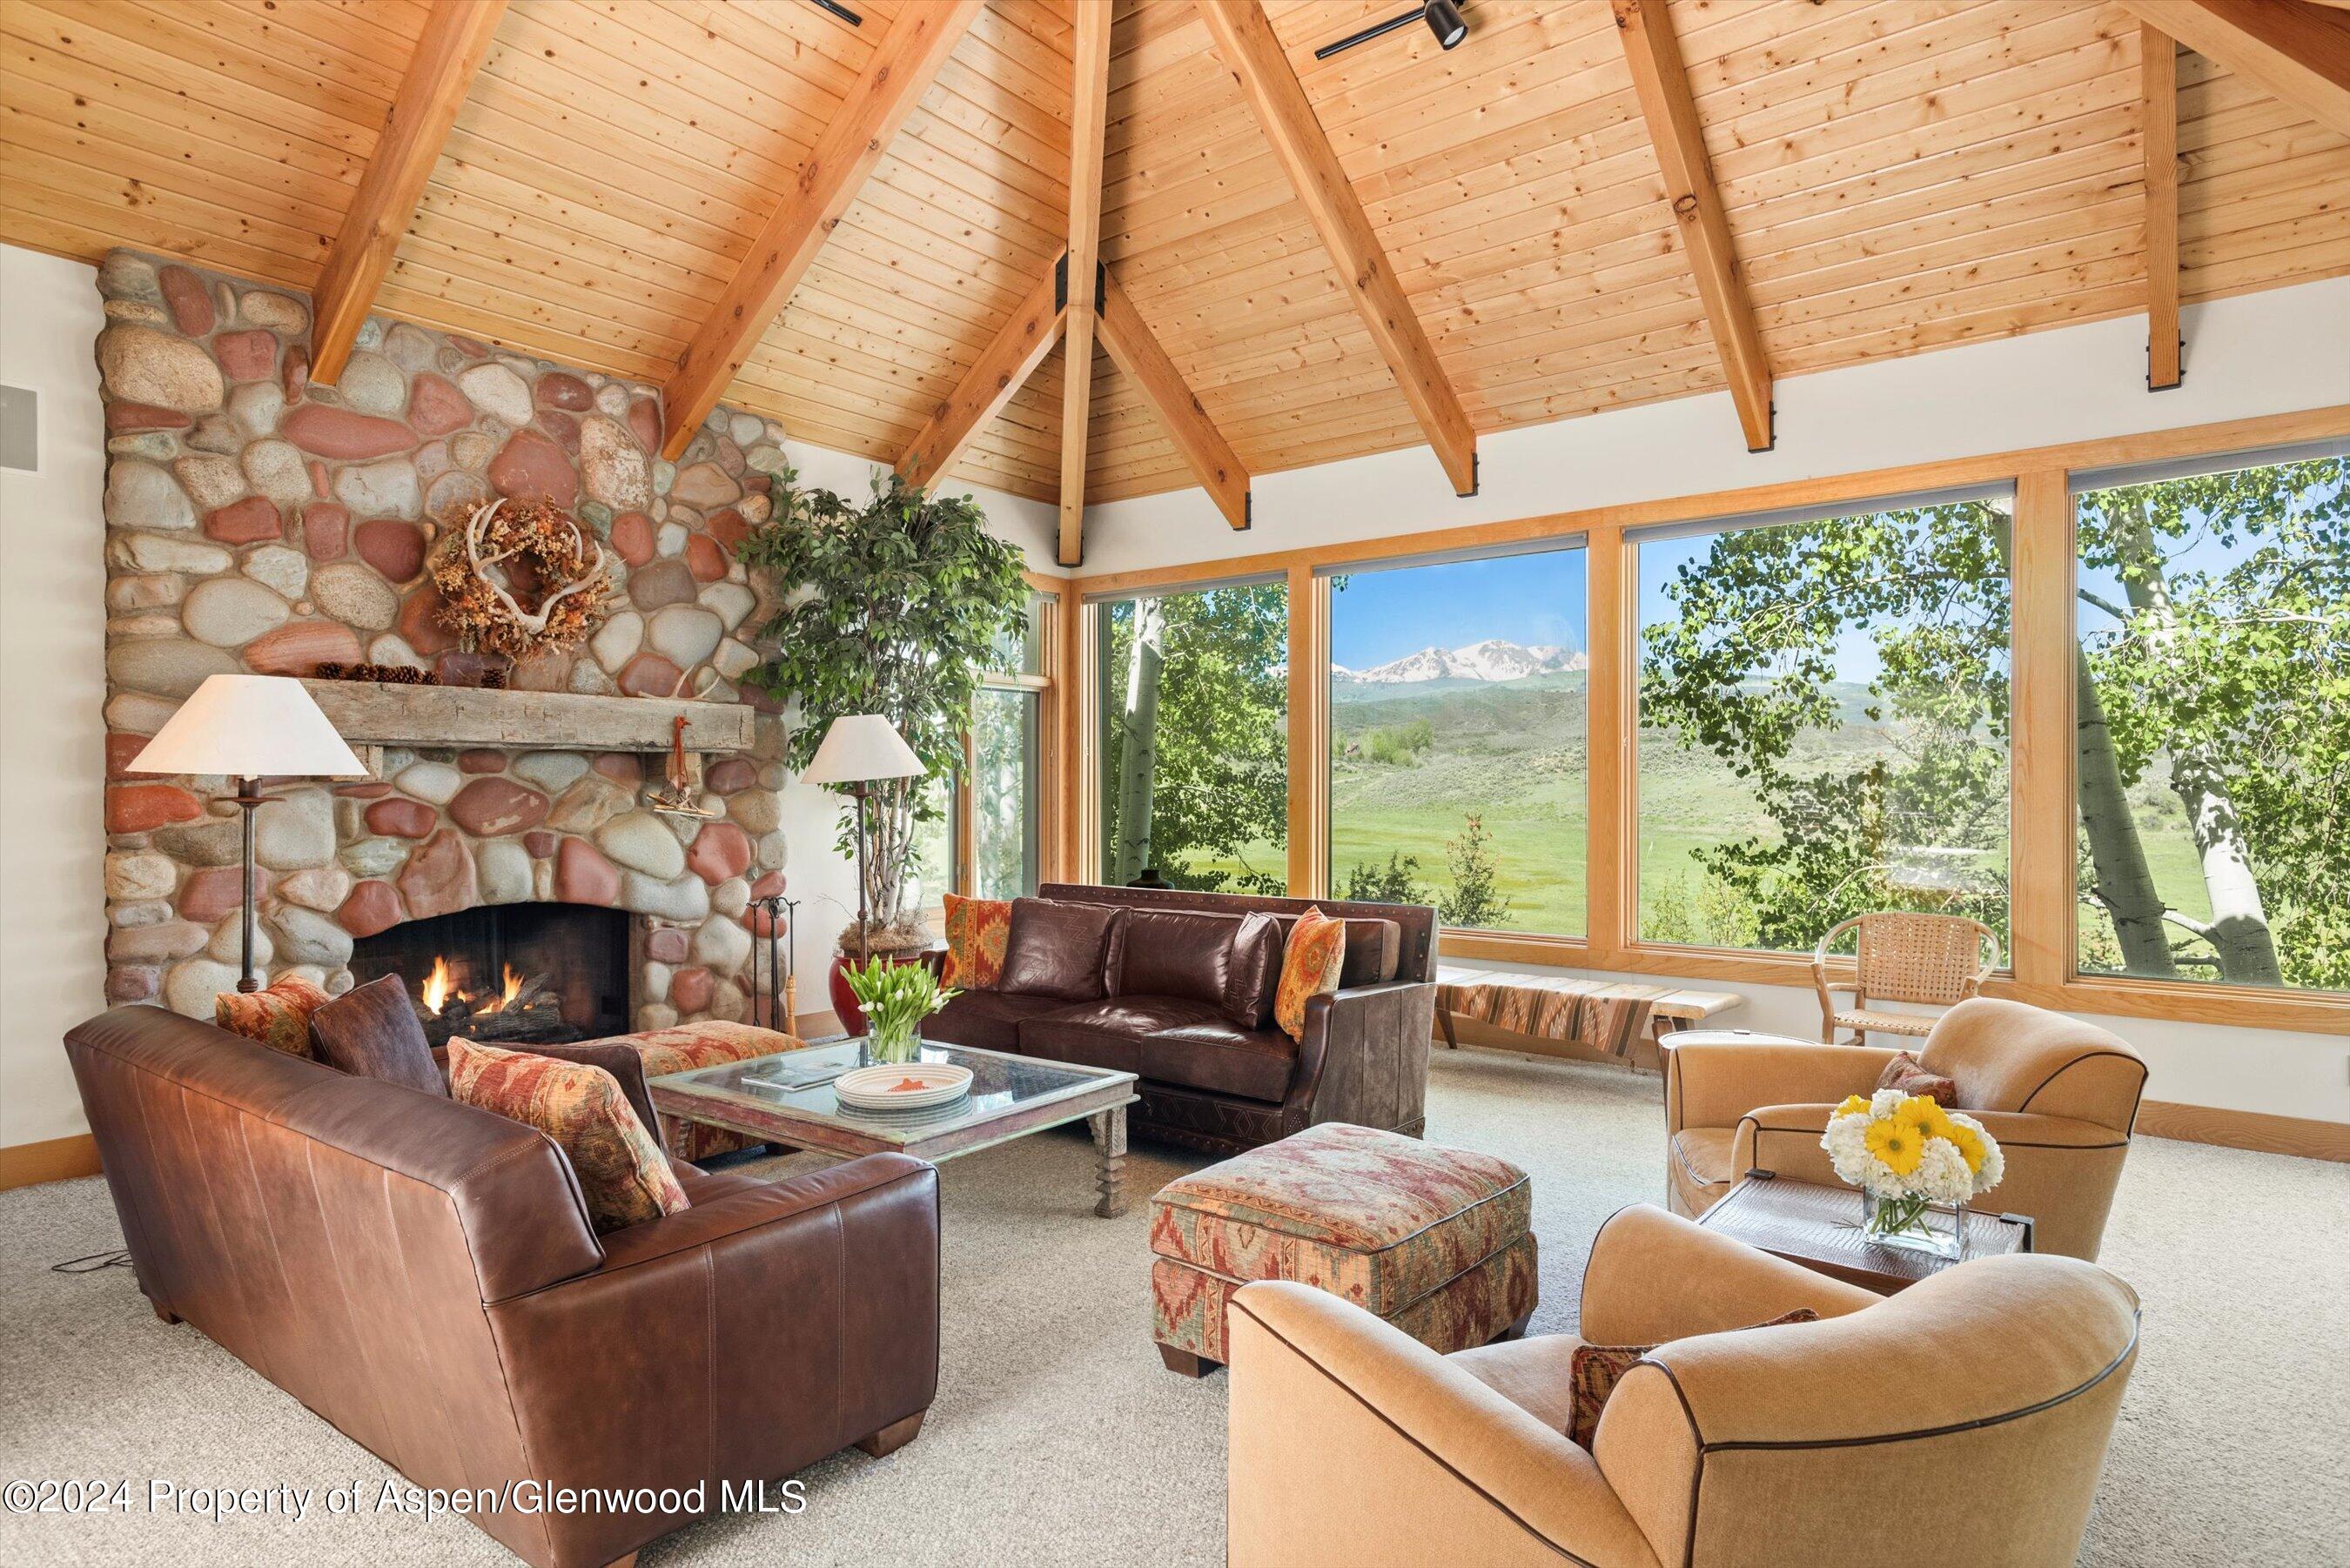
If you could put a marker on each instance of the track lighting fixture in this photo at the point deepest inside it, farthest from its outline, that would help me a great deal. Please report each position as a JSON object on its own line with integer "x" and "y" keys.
{"x": 1442, "y": 16}
{"x": 854, "y": 20}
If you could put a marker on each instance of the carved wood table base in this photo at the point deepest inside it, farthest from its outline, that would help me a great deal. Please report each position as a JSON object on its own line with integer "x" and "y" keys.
{"x": 1109, "y": 1138}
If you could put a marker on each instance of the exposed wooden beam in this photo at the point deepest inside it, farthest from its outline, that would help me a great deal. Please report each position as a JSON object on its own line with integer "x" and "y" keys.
{"x": 450, "y": 50}
{"x": 1137, "y": 353}
{"x": 900, "y": 70}
{"x": 1088, "y": 117}
{"x": 1245, "y": 41}
{"x": 2300, "y": 53}
{"x": 1661, "y": 82}
{"x": 2158, "y": 105}
{"x": 1008, "y": 361}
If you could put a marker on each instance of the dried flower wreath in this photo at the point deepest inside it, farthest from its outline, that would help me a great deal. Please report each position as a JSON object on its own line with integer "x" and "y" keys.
{"x": 552, "y": 558}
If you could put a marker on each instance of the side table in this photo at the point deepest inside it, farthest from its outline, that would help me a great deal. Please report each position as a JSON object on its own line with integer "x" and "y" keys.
{"x": 1819, "y": 1227}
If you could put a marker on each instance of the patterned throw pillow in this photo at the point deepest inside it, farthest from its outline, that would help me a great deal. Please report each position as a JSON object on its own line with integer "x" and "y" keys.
{"x": 622, "y": 1172}
{"x": 1596, "y": 1369}
{"x": 1309, "y": 968}
{"x": 976, "y": 928}
{"x": 279, "y": 1016}
{"x": 1904, "y": 1073}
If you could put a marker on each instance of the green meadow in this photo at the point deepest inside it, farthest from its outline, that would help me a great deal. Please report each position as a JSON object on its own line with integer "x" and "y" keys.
{"x": 1410, "y": 763}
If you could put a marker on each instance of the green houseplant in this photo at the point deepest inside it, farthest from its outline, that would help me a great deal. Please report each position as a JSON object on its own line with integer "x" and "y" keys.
{"x": 890, "y": 607}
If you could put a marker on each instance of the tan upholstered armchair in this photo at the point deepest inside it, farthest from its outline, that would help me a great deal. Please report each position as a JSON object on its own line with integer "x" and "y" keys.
{"x": 2059, "y": 1095}
{"x": 1981, "y": 1398}
{"x": 1899, "y": 955}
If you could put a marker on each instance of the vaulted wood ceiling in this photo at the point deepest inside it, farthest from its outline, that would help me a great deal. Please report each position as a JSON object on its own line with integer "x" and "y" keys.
{"x": 1894, "y": 175}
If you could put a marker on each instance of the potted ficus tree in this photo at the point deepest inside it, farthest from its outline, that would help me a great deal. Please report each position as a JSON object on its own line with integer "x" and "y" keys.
{"x": 891, "y": 608}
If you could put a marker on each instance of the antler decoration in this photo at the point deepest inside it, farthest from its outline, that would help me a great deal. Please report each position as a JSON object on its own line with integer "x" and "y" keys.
{"x": 480, "y": 605}
{"x": 536, "y": 620}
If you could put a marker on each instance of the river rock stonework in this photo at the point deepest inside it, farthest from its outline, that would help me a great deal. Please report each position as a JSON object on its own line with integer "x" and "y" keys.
{"x": 258, "y": 521}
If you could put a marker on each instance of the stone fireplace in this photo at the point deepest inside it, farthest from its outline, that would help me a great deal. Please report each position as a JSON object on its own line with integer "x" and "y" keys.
{"x": 258, "y": 522}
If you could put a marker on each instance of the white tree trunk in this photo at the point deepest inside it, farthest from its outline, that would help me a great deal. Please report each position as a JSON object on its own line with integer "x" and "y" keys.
{"x": 1138, "y": 760}
{"x": 2239, "y": 930}
{"x": 2125, "y": 883}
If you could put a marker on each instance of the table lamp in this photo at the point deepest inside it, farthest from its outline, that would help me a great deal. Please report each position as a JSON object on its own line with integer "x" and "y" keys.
{"x": 859, "y": 750}
{"x": 249, "y": 727}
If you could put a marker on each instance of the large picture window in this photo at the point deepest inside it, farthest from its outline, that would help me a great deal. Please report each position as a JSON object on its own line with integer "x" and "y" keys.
{"x": 2213, "y": 757}
{"x": 1194, "y": 747}
{"x": 1459, "y": 756}
{"x": 1824, "y": 712}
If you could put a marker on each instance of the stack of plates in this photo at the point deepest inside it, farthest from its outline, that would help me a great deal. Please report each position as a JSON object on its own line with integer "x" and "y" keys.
{"x": 916, "y": 1086}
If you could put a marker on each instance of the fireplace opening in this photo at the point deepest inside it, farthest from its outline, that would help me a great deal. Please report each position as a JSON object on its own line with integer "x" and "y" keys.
{"x": 512, "y": 973}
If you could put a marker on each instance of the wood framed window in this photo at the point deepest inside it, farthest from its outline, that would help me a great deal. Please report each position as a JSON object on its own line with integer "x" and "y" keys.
{"x": 994, "y": 824}
{"x": 1930, "y": 716}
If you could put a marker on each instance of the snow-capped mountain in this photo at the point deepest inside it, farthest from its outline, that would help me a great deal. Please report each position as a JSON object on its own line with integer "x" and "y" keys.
{"x": 1493, "y": 660}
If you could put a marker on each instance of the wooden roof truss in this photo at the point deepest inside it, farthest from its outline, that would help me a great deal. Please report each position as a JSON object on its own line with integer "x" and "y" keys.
{"x": 1593, "y": 203}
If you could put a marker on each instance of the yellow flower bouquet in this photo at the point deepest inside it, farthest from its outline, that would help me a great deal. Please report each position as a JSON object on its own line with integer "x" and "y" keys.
{"x": 1909, "y": 1157}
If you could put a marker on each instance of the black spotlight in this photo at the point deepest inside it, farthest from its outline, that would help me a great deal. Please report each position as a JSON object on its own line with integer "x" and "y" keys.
{"x": 1444, "y": 21}
{"x": 1442, "y": 16}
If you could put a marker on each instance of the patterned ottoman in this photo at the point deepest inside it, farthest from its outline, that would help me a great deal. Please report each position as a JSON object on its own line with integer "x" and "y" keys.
{"x": 1433, "y": 1240}
{"x": 707, "y": 1044}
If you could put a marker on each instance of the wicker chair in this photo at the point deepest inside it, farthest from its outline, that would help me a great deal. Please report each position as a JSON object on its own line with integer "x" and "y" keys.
{"x": 1937, "y": 959}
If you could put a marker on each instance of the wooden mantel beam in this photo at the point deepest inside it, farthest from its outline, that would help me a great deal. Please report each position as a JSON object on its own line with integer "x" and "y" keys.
{"x": 900, "y": 70}
{"x": 1245, "y": 41}
{"x": 2158, "y": 103}
{"x": 1088, "y": 117}
{"x": 1211, "y": 458}
{"x": 2296, "y": 51}
{"x": 1007, "y": 361}
{"x": 1662, "y": 81}
{"x": 448, "y": 52}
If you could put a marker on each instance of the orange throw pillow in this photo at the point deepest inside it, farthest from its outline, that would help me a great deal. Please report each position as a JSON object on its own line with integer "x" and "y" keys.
{"x": 976, "y": 928}
{"x": 622, "y": 1172}
{"x": 1310, "y": 965}
{"x": 278, "y": 1017}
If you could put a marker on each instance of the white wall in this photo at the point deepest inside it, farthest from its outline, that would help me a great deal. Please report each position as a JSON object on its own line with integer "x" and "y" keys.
{"x": 2267, "y": 353}
{"x": 52, "y": 687}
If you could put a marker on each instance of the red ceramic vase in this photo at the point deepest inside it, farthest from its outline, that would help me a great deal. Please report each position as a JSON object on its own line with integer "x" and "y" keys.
{"x": 844, "y": 1001}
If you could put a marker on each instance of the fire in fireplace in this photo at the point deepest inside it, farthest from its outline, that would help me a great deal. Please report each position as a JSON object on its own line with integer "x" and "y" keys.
{"x": 518, "y": 1007}
{"x": 513, "y": 973}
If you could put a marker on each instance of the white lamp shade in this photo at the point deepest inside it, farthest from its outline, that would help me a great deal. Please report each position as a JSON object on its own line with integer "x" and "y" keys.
{"x": 859, "y": 747}
{"x": 252, "y": 725}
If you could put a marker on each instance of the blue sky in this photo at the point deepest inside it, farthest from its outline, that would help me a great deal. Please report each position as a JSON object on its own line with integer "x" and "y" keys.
{"x": 1379, "y": 615}
{"x": 1526, "y": 600}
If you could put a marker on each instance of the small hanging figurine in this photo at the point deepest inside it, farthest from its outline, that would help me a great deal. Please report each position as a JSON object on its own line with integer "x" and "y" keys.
{"x": 677, "y": 799}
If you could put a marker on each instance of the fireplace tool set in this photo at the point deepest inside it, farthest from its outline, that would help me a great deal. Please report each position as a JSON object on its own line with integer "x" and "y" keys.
{"x": 783, "y": 983}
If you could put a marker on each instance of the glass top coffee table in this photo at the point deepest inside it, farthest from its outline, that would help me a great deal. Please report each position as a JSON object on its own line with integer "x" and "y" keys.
{"x": 1010, "y": 1097}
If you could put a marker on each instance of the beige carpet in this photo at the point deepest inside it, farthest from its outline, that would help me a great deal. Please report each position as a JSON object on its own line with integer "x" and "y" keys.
{"x": 1058, "y": 1437}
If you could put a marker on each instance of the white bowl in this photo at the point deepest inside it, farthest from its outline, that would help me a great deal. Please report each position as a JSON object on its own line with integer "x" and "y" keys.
{"x": 914, "y": 1087}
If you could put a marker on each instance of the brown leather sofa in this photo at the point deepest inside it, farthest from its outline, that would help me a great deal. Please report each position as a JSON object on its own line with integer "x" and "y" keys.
{"x": 423, "y": 1274}
{"x": 1162, "y": 996}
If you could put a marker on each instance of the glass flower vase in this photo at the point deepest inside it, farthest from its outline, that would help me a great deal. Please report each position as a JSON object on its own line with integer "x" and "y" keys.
{"x": 892, "y": 1041}
{"x": 1914, "y": 1223}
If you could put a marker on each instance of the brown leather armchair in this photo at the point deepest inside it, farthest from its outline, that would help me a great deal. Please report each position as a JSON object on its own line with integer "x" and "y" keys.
{"x": 2059, "y": 1095}
{"x": 423, "y": 1274}
{"x": 1966, "y": 1417}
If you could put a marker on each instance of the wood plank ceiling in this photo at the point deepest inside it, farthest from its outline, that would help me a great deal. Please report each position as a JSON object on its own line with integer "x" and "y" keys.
{"x": 1895, "y": 175}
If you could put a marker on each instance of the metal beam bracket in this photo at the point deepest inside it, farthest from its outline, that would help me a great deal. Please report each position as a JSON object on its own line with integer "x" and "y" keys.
{"x": 1061, "y": 284}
